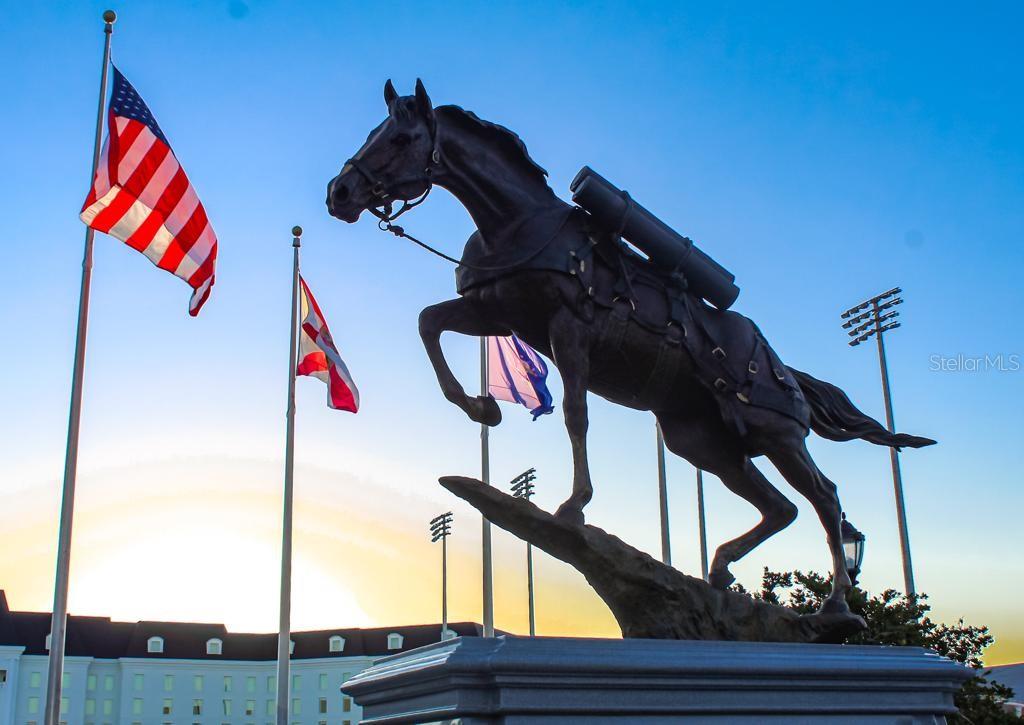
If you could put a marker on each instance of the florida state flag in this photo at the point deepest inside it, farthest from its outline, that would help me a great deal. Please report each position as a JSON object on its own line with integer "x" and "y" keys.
{"x": 319, "y": 356}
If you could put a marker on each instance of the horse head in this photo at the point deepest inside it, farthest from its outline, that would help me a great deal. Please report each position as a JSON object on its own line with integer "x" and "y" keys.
{"x": 396, "y": 162}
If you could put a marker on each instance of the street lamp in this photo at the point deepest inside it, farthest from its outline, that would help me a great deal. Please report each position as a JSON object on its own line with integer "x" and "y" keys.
{"x": 872, "y": 318}
{"x": 853, "y": 548}
{"x": 522, "y": 487}
{"x": 440, "y": 528}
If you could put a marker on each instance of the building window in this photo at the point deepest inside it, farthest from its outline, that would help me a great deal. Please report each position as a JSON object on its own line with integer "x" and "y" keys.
{"x": 49, "y": 638}
{"x": 35, "y": 679}
{"x": 168, "y": 708}
{"x": 271, "y": 684}
{"x": 33, "y": 705}
{"x": 138, "y": 681}
{"x": 108, "y": 707}
{"x": 346, "y": 676}
{"x": 64, "y": 705}
{"x": 197, "y": 707}
{"x": 296, "y": 682}
{"x": 296, "y": 706}
{"x": 3, "y": 677}
{"x": 155, "y": 645}
{"x": 395, "y": 640}
{"x": 90, "y": 683}
{"x": 323, "y": 706}
{"x": 250, "y": 708}
{"x": 337, "y": 643}
{"x": 323, "y": 681}
{"x": 90, "y": 707}
{"x": 108, "y": 683}
{"x": 214, "y": 646}
{"x": 291, "y": 646}
{"x": 250, "y": 684}
{"x": 346, "y": 704}
{"x": 227, "y": 708}
{"x": 137, "y": 706}
{"x": 271, "y": 707}
{"x": 197, "y": 683}
{"x": 168, "y": 683}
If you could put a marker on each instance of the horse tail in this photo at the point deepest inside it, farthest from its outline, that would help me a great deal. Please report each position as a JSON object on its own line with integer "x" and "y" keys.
{"x": 835, "y": 417}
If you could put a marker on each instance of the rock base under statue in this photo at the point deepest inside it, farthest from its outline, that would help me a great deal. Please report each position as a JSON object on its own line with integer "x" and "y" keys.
{"x": 555, "y": 680}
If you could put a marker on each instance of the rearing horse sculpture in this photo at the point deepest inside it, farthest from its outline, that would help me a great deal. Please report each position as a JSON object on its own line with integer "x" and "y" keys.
{"x": 536, "y": 267}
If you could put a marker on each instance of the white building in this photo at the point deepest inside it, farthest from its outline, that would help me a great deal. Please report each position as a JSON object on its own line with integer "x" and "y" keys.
{"x": 174, "y": 673}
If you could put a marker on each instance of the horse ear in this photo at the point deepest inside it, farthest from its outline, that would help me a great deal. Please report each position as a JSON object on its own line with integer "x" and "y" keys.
{"x": 423, "y": 104}
{"x": 390, "y": 93}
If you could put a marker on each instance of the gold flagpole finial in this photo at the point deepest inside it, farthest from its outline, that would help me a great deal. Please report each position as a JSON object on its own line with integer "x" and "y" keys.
{"x": 109, "y": 16}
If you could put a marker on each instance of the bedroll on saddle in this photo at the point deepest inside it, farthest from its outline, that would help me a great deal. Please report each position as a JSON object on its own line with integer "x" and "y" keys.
{"x": 619, "y": 214}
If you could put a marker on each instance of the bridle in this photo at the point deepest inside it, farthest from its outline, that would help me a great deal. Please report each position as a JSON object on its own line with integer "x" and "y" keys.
{"x": 384, "y": 193}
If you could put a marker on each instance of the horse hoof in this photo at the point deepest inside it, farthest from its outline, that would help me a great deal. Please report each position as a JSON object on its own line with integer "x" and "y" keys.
{"x": 721, "y": 579}
{"x": 834, "y": 605}
{"x": 484, "y": 409}
{"x": 570, "y": 513}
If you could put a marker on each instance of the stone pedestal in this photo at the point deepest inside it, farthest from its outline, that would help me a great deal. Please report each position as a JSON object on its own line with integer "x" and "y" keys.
{"x": 554, "y": 680}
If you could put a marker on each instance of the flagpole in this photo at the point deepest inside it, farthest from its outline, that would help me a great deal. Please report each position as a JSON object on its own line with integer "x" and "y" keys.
{"x": 666, "y": 547}
{"x": 58, "y": 623}
{"x": 485, "y": 476}
{"x": 702, "y": 526}
{"x": 284, "y": 636}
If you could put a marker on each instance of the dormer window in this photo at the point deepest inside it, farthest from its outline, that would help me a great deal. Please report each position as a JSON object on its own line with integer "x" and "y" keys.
{"x": 291, "y": 646}
{"x": 49, "y": 638}
{"x": 214, "y": 646}
{"x": 155, "y": 645}
{"x": 337, "y": 643}
{"x": 395, "y": 640}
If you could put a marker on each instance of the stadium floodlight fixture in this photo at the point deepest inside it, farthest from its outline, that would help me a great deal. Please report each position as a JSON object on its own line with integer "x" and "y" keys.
{"x": 522, "y": 485}
{"x": 440, "y": 527}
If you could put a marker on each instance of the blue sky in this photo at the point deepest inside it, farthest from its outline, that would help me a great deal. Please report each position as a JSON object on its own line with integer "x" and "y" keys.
{"x": 822, "y": 155}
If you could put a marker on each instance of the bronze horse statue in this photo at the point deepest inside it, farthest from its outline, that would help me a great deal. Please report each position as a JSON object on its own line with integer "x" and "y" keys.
{"x": 537, "y": 267}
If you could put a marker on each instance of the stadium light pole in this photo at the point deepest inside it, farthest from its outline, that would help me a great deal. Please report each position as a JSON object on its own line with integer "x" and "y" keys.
{"x": 873, "y": 318}
{"x": 440, "y": 528}
{"x": 522, "y": 487}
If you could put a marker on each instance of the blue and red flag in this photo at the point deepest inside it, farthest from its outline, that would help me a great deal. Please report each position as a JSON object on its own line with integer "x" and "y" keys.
{"x": 518, "y": 374}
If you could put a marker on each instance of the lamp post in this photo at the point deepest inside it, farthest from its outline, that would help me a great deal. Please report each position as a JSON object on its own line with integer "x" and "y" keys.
{"x": 440, "y": 528}
{"x": 522, "y": 487}
{"x": 872, "y": 318}
{"x": 853, "y": 548}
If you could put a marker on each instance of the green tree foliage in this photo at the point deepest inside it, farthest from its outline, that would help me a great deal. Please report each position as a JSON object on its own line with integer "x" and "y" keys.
{"x": 896, "y": 619}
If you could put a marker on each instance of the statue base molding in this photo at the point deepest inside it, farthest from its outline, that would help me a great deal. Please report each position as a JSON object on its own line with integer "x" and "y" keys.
{"x": 563, "y": 681}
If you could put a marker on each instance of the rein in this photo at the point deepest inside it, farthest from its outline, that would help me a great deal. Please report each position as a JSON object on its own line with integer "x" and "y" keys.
{"x": 385, "y": 225}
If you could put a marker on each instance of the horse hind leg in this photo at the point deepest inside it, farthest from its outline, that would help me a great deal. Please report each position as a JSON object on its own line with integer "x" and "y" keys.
{"x": 799, "y": 469}
{"x": 569, "y": 348}
{"x": 712, "y": 448}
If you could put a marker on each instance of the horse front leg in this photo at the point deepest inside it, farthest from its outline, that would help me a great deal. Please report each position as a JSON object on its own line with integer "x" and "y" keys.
{"x": 570, "y": 349}
{"x": 464, "y": 316}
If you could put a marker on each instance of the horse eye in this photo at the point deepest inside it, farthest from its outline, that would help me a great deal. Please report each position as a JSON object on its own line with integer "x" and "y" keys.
{"x": 401, "y": 139}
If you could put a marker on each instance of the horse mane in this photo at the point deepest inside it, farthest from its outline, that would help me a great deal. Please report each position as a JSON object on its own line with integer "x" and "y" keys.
{"x": 501, "y": 136}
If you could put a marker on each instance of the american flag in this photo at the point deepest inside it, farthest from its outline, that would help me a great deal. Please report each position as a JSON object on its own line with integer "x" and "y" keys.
{"x": 142, "y": 196}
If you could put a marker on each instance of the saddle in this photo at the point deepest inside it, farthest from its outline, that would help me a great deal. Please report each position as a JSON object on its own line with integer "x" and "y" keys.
{"x": 731, "y": 356}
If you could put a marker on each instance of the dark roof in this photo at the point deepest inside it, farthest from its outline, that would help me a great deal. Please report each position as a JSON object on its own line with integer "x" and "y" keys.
{"x": 105, "y": 639}
{"x": 1012, "y": 676}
